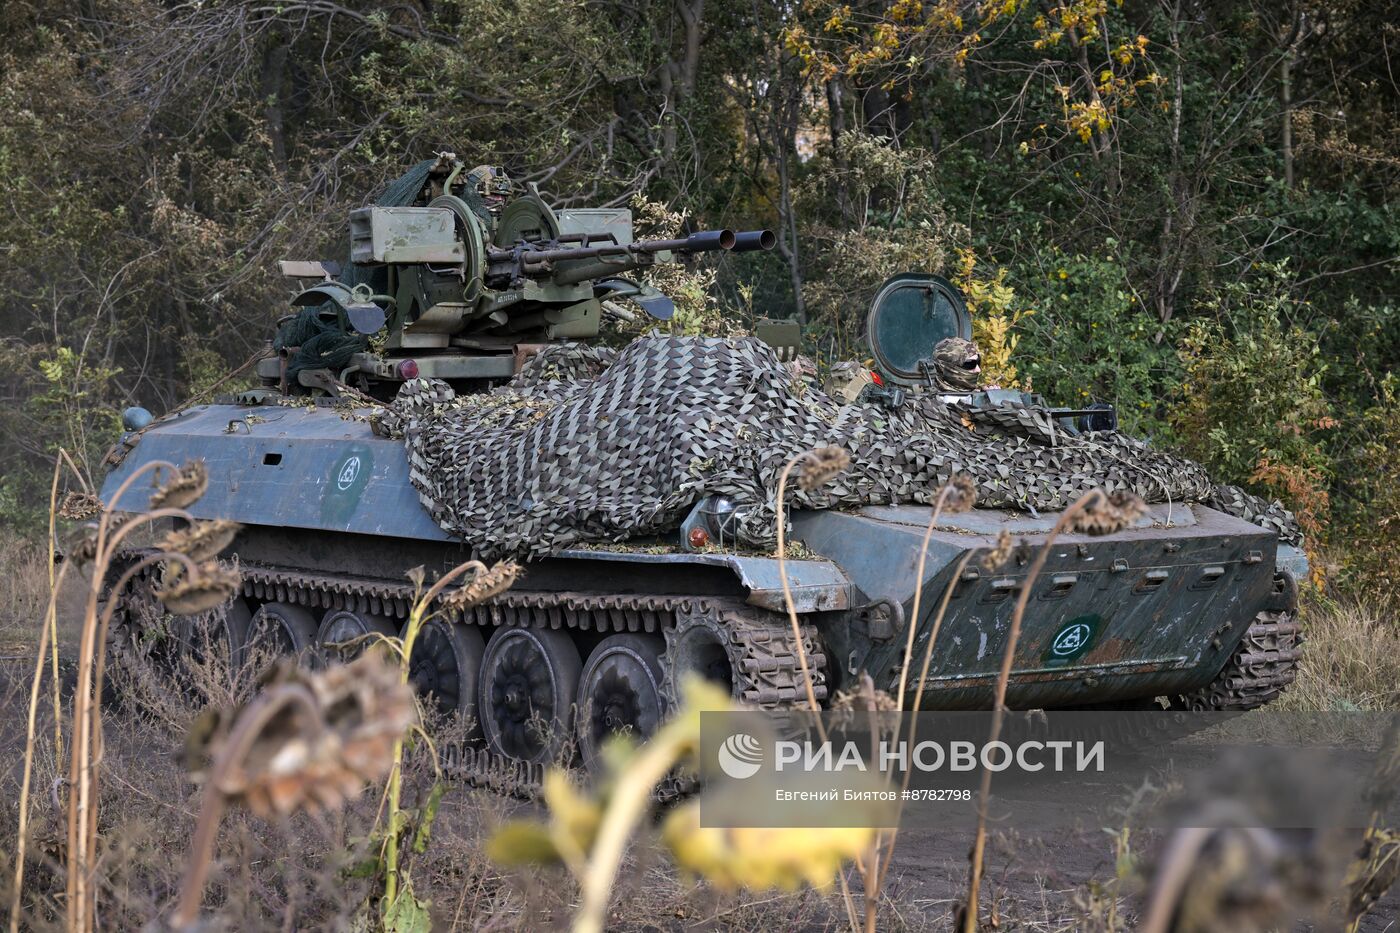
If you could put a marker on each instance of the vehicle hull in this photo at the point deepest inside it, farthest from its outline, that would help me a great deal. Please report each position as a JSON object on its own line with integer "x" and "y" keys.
{"x": 1154, "y": 610}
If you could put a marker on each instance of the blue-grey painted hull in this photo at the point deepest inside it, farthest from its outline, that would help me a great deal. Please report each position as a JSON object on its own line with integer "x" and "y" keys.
{"x": 295, "y": 467}
{"x": 314, "y": 468}
{"x": 1154, "y": 610}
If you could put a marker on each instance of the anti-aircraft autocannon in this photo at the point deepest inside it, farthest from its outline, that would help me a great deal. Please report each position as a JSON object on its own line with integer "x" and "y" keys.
{"x": 456, "y": 275}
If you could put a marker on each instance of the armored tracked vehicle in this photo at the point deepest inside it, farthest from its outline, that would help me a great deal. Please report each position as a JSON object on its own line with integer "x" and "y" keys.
{"x": 456, "y": 276}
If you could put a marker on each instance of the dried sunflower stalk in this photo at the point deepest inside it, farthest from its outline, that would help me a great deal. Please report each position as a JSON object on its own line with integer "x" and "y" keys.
{"x": 999, "y": 556}
{"x": 1375, "y": 871}
{"x": 961, "y": 495}
{"x": 821, "y": 466}
{"x": 183, "y": 489}
{"x": 310, "y": 740}
{"x": 201, "y": 541}
{"x": 1108, "y": 514}
{"x": 210, "y": 586}
{"x": 486, "y": 585}
{"x": 82, "y": 547}
{"x": 79, "y": 506}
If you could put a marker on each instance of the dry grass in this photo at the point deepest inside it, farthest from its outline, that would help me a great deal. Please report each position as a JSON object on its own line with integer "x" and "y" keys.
{"x": 24, "y": 590}
{"x": 1351, "y": 658}
{"x": 309, "y": 873}
{"x": 306, "y": 872}
{"x": 299, "y": 873}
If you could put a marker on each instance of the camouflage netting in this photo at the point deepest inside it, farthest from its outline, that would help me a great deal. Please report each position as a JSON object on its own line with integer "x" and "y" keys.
{"x": 585, "y": 447}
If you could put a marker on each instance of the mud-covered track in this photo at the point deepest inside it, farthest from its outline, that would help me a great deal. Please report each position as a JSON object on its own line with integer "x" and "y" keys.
{"x": 768, "y": 672}
{"x": 764, "y": 666}
{"x": 1264, "y": 663}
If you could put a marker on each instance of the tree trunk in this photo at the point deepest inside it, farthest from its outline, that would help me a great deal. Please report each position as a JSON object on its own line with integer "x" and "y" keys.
{"x": 788, "y": 243}
{"x": 836, "y": 121}
{"x": 678, "y": 78}
{"x": 1286, "y": 97}
{"x": 274, "y": 68}
{"x": 1100, "y": 143}
{"x": 1179, "y": 213}
{"x": 878, "y": 112}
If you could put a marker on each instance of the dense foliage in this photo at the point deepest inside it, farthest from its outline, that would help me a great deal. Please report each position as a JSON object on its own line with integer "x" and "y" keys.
{"x": 1183, "y": 208}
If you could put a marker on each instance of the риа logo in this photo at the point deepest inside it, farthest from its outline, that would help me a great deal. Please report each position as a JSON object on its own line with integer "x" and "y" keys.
{"x": 740, "y": 756}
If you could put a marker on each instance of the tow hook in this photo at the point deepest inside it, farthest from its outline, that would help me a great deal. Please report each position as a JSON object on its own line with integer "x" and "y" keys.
{"x": 883, "y": 619}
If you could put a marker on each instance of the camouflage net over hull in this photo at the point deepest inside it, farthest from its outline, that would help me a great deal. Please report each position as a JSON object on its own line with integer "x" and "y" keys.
{"x": 583, "y": 446}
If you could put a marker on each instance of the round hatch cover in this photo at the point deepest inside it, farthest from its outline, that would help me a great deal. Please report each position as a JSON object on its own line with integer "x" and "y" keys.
{"x": 910, "y": 314}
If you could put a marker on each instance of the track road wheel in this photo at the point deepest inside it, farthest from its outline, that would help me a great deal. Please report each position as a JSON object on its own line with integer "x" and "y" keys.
{"x": 345, "y": 635}
{"x": 220, "y": 635}
{"x": 445, "y": 665}
{"x": 529, "y": 679}
{"x": 620, "y": 692}
{"x": 281, "y": 629}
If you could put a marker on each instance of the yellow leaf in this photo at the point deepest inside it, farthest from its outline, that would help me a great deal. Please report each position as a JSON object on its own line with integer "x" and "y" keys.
{"x": 574, "y": 814}
{"x": 522, "y": 843}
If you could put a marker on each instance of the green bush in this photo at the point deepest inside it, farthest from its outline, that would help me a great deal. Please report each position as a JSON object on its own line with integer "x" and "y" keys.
{"x": 1089, "y": 338}
{"x": 1252, "y": 407}
{"x": 69, "y": 403}
{"x": 1368, "y": 512}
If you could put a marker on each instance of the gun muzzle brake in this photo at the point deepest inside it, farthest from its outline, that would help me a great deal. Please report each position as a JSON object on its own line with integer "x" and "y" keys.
{"x": 707, "y": 240}
{"x": 749, "y": 241}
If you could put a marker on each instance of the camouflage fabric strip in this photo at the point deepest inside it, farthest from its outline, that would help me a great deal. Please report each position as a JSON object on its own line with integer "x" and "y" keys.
{"x": 585, "y": 447}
